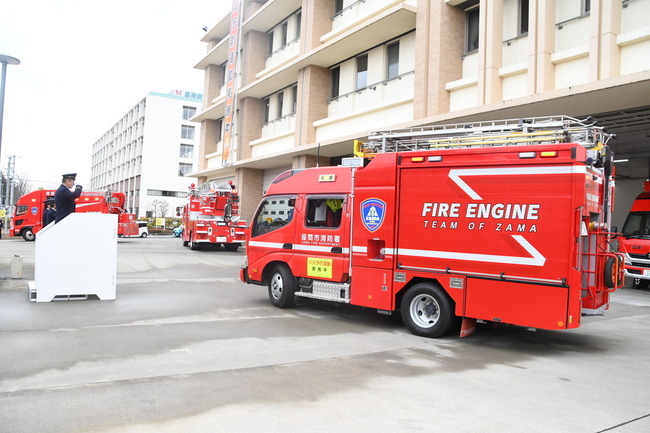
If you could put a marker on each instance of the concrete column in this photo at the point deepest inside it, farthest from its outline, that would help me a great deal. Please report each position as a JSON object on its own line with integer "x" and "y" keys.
{"x": 545, "y": 46}
{"x": 249, "y": 182}
{"x": 306, "y": 161}
{"x": 439, "y": 47}
{"x": 610, "y": 53}
{"x": 316, "y": 21}
{"x": 210, "y": 134}
{"x": 251, "y": 117}
{"x": 493, "y": 48}
{"x": 254, "y": 52}
{"x": 213, "y": 80}
{"x": 314, "y": 85}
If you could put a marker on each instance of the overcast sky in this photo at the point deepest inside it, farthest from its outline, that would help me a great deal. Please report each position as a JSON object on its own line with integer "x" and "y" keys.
{"x": 83, "y": 65}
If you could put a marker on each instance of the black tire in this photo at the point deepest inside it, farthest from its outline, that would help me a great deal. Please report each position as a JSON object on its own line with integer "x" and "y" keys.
{"x": 638, "y": 283}
{"x": 610, "y": 273}
{"x": 427, "y": 311}
{"x": 193, "y": 245}
{"x": 29, "y": 235}
{"x": 231, "y": 247}
{"x": 144, "y": 235}
{"x": 282, "y": 286}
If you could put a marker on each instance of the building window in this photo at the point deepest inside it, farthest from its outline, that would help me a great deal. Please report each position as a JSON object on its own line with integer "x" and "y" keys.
{"x": 184, "y": 169}
{"x": 187, "y": 151}
{"x": 393, "y": 61}
{"x": 471, "y": 30}
{"x": 280, "y": 105}
{"x": 187, "y": 132}
{"x": 188, "y": 112}
{"x": 283, "y": 33}
{"x": 586, "y": 6}
{"x": 336, "y": 79}
{"x": 523, "y": 17}
{"x": 362, "y": 71}
{"x": 298, "y": 24}
{"x": 294, "y": 98}
{"x": 267, "y": 107}
{"x": 338, "y": 6}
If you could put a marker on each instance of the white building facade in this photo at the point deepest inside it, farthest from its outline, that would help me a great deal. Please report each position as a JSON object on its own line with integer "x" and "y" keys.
{"x": 148, "y": 152}
{"x": 311, "y": 76}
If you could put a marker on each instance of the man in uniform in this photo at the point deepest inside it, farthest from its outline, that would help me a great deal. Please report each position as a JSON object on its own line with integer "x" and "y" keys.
{"x": 49, "y": 215}
{"x": 64, "y": 197}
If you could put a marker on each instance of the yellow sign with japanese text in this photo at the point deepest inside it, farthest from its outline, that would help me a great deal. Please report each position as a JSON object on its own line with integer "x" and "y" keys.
{"x": 319, "y": 267}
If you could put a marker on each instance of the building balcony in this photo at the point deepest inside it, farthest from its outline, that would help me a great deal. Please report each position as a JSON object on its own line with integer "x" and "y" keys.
{"x": 373, "y": 107}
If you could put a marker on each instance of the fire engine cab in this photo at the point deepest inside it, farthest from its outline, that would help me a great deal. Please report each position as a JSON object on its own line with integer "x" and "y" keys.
{"x": 504, "y": 221}
{"x": 211, "y": 217}
{"x": 28, "y": 218}
{"x": 635, "y": 240}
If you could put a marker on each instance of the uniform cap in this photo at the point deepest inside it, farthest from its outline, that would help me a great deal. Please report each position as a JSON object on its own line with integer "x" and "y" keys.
{"x": 70, "y": 176}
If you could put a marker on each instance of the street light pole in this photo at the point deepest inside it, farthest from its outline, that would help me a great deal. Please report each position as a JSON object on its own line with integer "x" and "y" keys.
{"x": 5, "y": 60}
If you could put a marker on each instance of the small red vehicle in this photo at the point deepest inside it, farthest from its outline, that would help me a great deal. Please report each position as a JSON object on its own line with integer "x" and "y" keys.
{"x": 505, "y": 222}
{"x": 28, "y": 217}
{"x": 635, "y": 240}
{"x": 211, "y": 217}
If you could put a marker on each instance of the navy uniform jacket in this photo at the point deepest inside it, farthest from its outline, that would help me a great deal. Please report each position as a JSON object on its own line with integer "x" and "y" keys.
{"x": 64, "y": 199}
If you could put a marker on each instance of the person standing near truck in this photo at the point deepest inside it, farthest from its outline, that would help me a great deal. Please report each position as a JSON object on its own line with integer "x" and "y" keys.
{"x": 64, "y": 197}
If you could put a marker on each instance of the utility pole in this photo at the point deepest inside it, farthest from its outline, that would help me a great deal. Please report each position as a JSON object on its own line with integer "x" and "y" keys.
{"x": 11, "y": 172}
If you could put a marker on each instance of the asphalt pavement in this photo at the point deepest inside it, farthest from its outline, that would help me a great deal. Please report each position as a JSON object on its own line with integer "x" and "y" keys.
{"x": 187, "y": 347}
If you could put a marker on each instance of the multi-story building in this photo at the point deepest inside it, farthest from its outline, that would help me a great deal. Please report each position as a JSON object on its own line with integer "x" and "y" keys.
{"x": 313, "y": 75}
{"x": 148, "y": 153}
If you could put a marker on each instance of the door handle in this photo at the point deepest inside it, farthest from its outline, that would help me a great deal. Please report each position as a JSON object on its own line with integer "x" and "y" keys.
{"x": 337, "y": 250}
{"x": 287, "y": 246}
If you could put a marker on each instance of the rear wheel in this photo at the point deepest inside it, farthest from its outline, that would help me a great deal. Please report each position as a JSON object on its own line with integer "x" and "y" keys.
{"x": 282, "y": 285}
{"x": 193, "y": 244}
{"x": 427, "y": 311}
{"x": 28, "y": 234}
{"x": 231, "y": 247}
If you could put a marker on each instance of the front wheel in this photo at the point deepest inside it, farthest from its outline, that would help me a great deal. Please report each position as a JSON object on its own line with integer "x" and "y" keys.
{"x": 282, "y": 285}
{"x": 29, "y": 235}
{"x": 427, "y": 311}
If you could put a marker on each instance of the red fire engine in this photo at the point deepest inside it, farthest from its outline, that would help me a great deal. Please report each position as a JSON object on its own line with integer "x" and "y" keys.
{"x": 211, "y": 217}
{"x": 28, "y": 217}
{"x": 635, "y": 241}
{"x": 504, "y": 221}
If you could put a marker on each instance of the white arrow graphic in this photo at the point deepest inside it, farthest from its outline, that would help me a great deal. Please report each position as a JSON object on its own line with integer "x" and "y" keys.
{"x": 536, "y": 258}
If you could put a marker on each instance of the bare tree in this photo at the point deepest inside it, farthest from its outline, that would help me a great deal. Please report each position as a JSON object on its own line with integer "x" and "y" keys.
{"x": 21, "y": 186}
{"x": 159, "y": 208}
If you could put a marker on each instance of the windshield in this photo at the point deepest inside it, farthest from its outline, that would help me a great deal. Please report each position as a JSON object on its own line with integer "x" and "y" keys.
{"x": 637, "y": 225}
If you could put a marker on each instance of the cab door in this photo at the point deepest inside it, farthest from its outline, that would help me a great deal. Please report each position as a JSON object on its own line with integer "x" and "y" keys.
{"x": 322, "y": 238}
{"x": 272, "y": 234}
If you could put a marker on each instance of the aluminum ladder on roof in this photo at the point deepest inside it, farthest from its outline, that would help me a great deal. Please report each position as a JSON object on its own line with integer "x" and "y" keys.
{"x": 508, "y": 132}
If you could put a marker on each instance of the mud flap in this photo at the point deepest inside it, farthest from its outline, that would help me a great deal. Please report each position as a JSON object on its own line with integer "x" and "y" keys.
{"x": 468, "y": 327}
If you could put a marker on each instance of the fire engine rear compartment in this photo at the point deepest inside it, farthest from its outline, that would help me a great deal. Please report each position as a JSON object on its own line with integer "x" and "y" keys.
{"x": 491, "y": 226}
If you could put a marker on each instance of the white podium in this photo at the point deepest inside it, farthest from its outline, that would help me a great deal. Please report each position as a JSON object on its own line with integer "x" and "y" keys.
{"x": 75, "y": 258}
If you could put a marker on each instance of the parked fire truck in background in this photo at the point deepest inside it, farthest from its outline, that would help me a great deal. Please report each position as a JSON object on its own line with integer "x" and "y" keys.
{"x": 28, "y": 217}
{"x": 505, "y": 221}
{"x": 211, "y": 217}
{"x": 635, "y": 241}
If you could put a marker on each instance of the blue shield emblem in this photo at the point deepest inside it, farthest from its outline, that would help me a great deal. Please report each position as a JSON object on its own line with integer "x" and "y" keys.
{"x": 373, "y": 211}
{"x": 34, "y": 210}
